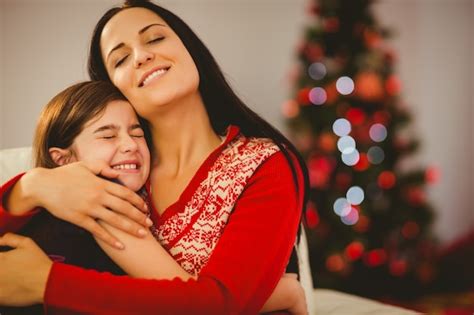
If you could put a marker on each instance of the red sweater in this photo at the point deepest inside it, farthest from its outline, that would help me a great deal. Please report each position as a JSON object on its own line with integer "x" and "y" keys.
{"x": 240, "y": 275}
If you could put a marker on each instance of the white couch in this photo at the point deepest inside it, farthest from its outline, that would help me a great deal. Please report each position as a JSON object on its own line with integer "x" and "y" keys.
{"x": 320, "y": 301}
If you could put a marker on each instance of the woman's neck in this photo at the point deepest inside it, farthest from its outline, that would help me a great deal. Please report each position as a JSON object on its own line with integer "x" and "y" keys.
{"x": 182, "y": 136}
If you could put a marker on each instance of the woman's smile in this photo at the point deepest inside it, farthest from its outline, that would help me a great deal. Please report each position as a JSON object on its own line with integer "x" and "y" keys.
{"x": 153, "y": 74}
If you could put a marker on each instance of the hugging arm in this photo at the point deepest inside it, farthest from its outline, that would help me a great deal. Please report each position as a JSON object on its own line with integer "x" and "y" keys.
{"x": 75, "y": 194}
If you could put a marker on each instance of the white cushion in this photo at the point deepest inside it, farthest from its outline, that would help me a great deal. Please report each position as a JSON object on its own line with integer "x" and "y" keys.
{"x": 14, "y": 161}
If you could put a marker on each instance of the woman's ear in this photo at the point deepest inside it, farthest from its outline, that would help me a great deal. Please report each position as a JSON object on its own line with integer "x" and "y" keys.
{"x": 61, "y": 156}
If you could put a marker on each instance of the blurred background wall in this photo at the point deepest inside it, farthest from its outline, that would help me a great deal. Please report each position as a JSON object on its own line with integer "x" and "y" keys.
{"x": 44, "y": 47}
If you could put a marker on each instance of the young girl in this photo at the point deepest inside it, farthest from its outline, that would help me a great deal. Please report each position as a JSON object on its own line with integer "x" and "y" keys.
{"x": 92, "y": 121}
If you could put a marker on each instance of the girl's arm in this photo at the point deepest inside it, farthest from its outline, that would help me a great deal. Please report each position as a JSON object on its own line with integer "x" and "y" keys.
{"x": 74, "y": 194}
{"x": 143, "y": 257}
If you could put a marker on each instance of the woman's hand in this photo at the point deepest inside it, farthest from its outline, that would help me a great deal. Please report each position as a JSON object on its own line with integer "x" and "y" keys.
{"x": 299, "y": 306}
{"x": 288, "y": 295}
{"x": 75, "y": 194}
{"x": 24, "y": 271}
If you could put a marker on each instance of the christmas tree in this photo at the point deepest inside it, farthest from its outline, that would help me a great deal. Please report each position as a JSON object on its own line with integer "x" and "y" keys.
{"x": 368, "y": 219}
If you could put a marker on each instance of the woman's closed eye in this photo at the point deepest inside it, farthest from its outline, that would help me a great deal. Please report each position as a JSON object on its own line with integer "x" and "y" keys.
{"x": 155, "y": 40}
{"x": 121, "y": 61}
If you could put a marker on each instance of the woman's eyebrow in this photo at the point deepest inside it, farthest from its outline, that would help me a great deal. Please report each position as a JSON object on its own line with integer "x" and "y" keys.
{"x": 120, "y": 45}
{"x": 143, "y": 30}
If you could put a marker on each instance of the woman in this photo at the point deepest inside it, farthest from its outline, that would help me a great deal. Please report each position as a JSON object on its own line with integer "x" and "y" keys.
{"x": 212, "y": 156}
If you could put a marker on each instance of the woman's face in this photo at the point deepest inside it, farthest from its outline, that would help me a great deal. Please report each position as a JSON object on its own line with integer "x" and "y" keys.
{"x": 147, "y": 61}
{"x": 116, "y": 138}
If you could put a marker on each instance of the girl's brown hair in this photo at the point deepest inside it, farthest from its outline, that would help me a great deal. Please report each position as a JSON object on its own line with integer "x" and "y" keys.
{"x": 65, "y": 116}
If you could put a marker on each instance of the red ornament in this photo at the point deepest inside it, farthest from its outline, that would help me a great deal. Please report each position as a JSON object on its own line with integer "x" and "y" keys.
{"x": 356, "y": 116}
{"x": 319, "y": 169}
{"x": 363, "y": 163}
{"x": 432, "y": 174}
{"x": 312, "y": 217}
{"x": 354, "y": 250}
{"x": 331, "y": 24}
{"x": 398, "y": 267}
{"x": 303, "y": 96}
{"x": 375, "y": 258}
{"x": 410, "y": 230}
{"x": 314, "y": 9}
{"x": 335, "y": 263}
{"x": 313, "y": 52}
{"x": 331, "y": 93}
{"x": 327, "y": 142}
{"x": 362, "y": 224}
{"x": 416, "y": 196}
{"x": 361, "y": 134}
{"x": 369, "y": 86}
{"x": 390, "y": 56}
{"x": 290, "y": 109}
{"x": 393, "y": 85}
{"x": 372, "y": 39}
{"x": 382, "y": 117}
{"x": 400, "y": 143}
{"x": 386, "y": 180}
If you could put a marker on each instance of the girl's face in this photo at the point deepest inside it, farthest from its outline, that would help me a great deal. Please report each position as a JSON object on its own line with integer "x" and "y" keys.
{"x": 116, "y": 138}
{"x": 147, "y": 61}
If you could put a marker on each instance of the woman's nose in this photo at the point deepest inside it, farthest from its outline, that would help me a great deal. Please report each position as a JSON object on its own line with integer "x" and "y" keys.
{"x": 142, "y": 56}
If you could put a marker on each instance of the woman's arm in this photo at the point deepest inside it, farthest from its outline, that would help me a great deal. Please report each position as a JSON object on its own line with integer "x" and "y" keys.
{"x": 243, "y": 270}
{"x": 75, "y": 194}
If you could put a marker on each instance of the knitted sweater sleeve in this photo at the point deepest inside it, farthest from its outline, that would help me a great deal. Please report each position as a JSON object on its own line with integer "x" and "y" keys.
{"x": 243, "y": 270}
{"x": 9, "y": 222}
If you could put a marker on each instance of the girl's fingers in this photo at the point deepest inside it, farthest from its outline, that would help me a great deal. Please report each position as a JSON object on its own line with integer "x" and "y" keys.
{"x": 126, "y": 194}
{"x": 95, "y": 229}
{"x": 121, "y": 222}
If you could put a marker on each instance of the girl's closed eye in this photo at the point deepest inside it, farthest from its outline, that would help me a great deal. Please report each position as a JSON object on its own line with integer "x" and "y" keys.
{"x": 137, "y": 133}
{"x": 107, "y": 136}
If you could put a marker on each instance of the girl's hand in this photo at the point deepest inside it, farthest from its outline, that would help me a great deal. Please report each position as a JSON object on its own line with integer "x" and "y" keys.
{"x": 75, "y": 194}
{"x": 24, "y": 271}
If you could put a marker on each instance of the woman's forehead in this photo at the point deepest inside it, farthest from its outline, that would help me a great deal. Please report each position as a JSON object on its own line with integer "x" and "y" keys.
{"x": 129, "y": 22}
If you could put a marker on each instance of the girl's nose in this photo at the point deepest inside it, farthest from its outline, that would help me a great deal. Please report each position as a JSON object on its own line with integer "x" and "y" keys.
{"x": 128, "y": 144}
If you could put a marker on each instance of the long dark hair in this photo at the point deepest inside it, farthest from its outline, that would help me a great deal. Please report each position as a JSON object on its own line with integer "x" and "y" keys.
{"x": 223, "y": 106}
